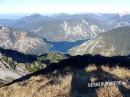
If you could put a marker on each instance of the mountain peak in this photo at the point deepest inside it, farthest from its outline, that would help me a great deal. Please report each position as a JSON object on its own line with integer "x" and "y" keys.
{"x": 35, "y": 16}
{"x": 124, "y": 13}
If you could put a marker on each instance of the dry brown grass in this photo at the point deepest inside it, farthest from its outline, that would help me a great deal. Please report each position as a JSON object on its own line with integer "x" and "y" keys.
{"x": 117, "y": 71}
{"x": 109, "y": 91}
{"x": 61, "y": 86}
{"x": 38, "y": 87}
{"x": 91, "y": 68}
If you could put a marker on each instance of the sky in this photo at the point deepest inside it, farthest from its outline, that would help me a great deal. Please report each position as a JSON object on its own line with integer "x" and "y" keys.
{"x": 64, "y": 6}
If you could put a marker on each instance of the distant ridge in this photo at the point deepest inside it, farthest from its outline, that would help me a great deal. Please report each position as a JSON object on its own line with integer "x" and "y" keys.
{"x": 65, "y": 27}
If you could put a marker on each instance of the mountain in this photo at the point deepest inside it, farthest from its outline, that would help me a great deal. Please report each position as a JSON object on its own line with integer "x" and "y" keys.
{"x": 57, "y": 28}
{"x": 22, "y": 41}
{"x": 102, "y": 55}
{"x": 70, "y": 28}
{"x": 75, "y": 77}
{"x": 14, "y": 64}
{"x": 112, "y": 43}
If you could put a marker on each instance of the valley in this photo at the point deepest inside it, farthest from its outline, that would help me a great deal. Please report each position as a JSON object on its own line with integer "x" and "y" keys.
{"x": 59, "y": 55}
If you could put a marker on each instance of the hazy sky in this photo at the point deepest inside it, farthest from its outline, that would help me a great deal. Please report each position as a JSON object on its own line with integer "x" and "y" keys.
{"x": 64, "y": 6}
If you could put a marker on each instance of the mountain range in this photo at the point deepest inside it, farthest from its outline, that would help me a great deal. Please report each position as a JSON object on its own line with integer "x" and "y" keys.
{"x": 59, "y": 32}
{"x": 64, "y": 27}
{"x": 61, "y": 55}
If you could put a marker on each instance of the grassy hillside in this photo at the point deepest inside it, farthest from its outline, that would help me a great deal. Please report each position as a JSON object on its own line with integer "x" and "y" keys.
{"x": 112, "y": 43}
{"x": 70, "y": 85}
{"x": 70, "y": 78}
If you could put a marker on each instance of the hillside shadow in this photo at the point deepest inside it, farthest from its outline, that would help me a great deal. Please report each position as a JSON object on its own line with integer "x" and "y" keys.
{"x": 80, "y": 62}
{"x": 77, "y": 65}
{"x": 81, "y": 84}
{"x": 17, "y": 56}
{"x": 125, "y": 91}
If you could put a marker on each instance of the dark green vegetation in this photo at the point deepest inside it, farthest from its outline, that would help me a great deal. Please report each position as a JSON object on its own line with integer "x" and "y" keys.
{"x": 45, "y": 60}
{"x": 52, "y": 57}
{"x": 32, "y": 63}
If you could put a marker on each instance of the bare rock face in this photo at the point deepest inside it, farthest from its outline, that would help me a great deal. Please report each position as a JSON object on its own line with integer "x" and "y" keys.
{"x": 111, "y": 43}
{"x": 22, "y": 41}
{"x": 9, "y": 70}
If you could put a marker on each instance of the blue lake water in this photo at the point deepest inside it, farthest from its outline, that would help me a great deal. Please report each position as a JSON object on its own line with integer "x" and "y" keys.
{"x": 64, "y": 46}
